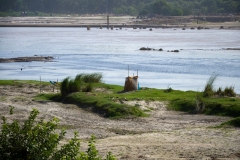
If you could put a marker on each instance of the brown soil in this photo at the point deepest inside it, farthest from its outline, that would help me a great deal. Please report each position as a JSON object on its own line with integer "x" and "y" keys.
{"x": 163, "y": 135}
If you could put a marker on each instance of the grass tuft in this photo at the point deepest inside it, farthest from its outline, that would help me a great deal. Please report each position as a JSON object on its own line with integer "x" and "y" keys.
{"x": 208, "y": 89}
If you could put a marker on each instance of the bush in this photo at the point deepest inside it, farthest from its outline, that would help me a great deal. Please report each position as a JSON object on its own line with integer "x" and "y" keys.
{"x": 39, "y": 140}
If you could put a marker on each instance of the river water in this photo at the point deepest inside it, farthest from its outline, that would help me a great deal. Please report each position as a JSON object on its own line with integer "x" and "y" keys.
{"x": 202, "y": 54}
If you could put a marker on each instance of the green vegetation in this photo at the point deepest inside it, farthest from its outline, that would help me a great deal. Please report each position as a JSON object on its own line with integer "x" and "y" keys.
{"x": 39, "y": 140}
{"x": 208, "y": 90}
{"x": 234, "y": 122}
{"x": 81, "y": 83}
{"x": 107, "y": 100}
{"x": 211, "y": 102}
{"x": 123, "y": 7}
{"x": 21, "y": 82}
{"x": 109, "y": 104}
{"x": 105, "y": 106}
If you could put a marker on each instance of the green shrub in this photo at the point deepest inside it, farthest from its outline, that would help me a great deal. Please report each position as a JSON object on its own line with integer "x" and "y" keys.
{"x": 35, "y": 140}
{"x": 39, "y": 141}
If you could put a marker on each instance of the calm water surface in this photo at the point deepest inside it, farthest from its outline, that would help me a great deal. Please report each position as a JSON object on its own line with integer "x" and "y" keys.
{"x": 76, "y": 50}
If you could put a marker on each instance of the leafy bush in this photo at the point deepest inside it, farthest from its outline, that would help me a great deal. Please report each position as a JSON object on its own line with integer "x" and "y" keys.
{"x": 39, "y": 140}
{"x": 35, "y": 140}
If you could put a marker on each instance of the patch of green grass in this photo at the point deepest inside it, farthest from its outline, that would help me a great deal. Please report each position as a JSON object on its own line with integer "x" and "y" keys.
{"x": 106, "y": 102}
{"x": 49, "y": 96}
{"x": 234, "y": 122}
{"x": 21, "y": 82}
{"x": 104, "y": 106}
{"x": 213, "y": 106}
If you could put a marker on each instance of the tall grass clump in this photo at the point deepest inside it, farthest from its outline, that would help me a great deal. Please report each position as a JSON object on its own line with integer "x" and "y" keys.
{"x": 69, "y": 86}
{"x": 199, "y": 104}
{"x": 81, "y": 83}
{"x": 208, "y": 89}
{"x": 229, "y": 91}
{"x": 90, "y": 78}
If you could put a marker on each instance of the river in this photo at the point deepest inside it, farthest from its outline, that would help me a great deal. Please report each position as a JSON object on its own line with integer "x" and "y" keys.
{"x": 202, "y": 53}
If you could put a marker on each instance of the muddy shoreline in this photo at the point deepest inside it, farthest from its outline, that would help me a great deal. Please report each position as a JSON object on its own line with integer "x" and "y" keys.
{"x": 100, "y": 21}
{"x": 26, "y": 59}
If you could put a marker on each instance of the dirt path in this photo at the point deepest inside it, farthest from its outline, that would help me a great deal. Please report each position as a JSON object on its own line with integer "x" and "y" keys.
{"x": 163, "y": 135}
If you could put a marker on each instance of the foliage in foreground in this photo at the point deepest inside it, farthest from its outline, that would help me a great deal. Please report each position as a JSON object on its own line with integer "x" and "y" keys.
{"x": 39, "y": 141}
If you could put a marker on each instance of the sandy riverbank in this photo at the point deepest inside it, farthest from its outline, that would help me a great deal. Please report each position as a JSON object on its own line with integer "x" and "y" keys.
{"x": 163, "y": 135}
{"x": 123, "y": 21}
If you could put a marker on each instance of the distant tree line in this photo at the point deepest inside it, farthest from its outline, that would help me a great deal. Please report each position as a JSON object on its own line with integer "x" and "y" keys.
{"x": 122, "y": 7}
